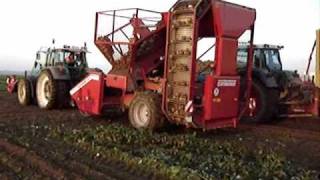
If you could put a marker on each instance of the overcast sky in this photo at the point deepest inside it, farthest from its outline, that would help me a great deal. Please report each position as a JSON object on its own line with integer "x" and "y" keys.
{"x": 27, "y": 25}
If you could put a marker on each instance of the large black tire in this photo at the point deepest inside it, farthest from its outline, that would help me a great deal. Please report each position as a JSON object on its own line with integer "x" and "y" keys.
{"x": 63, "y": 96}
{"x": 24, "y": 92}
{"x": 145, "y": 111}
{"x": 266, "y": 102}
{"x": 51, "y": 93}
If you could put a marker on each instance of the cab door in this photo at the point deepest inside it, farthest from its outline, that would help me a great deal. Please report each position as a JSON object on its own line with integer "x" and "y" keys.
{"x": 39, "y": 64}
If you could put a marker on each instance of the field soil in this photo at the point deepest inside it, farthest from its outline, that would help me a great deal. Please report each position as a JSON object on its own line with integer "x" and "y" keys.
{"x": 63, "y": 144}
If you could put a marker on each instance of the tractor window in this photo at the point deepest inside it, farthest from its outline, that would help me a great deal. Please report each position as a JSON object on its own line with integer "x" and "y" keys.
{"x": 242, "y": 58}
{"x": 257, "y": 61}
{"x": 75, "y": 59}
{"x": 42, "y": 59}
{"x": 273, "y": 59}
{"x": 81, "y": 59}
{"x": 58, "y": 57}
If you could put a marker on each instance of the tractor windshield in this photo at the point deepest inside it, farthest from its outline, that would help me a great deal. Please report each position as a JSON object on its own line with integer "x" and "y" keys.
{"x": 263, "y": 58}
{"x": 73, "y": 59}
{"x": 273, "y": 59}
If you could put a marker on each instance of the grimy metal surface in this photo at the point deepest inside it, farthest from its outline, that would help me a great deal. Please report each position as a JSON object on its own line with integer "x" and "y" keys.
{"x": 180, "y": 54}
{"x": 317, "y": 72}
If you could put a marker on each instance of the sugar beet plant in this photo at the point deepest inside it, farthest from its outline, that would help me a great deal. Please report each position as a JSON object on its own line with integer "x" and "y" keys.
{"x": 185, "y": 156}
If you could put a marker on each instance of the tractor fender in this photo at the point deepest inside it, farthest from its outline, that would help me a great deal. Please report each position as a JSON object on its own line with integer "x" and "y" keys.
{"x": 33, "y": 84}
{"x": 267, "y": 79}
{"x": 59, "y": 73}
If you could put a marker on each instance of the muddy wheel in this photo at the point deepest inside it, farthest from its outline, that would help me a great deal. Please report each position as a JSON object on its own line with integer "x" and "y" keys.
{"x": 262, "y": 103}
{"x": 63, "y": 96}
{"x": 24, "y": 92}
{"x": 51, "y": 93}
{"x": 145, "y": 111}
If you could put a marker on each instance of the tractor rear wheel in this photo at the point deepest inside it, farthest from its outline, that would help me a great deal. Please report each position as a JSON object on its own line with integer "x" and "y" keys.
{"x": 24, "y": 92}
{"x": 51, "y": 93}
{"x": 145, "y": 111}
{"x": 262, "y": 103}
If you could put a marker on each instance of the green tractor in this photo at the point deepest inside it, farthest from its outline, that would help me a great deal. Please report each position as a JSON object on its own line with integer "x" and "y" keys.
{"x": 275, "y": 92}
{"x": 55, "y": 72}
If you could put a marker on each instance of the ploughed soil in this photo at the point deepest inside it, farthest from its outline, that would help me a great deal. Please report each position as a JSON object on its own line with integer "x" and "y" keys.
{"x": 30, "y": 150}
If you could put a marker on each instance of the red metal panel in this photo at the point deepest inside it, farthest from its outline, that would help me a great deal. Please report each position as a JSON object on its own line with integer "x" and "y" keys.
{"x": 207, "y": 98}
{"x": 221, "y": 99}
{"x": 165, "y": 17}
{"x": 116, "y": 81}
{"x": 232, "y": 20}
{"x": 127, "y": 99}
{"x": 226, "y": 56}
{"x": 88, "y": 94}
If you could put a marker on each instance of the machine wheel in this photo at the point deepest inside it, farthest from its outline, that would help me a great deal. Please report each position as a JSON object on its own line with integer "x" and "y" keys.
{"x": 24, "y": 92}
{"x": 145, "y": 111}
{"x": 63, "y": 96}
{"x": 51, "y": 93}
{"x": 262, "y": 103}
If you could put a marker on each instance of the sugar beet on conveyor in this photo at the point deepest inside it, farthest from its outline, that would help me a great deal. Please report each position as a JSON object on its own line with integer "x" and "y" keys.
{"x": 180, "y": 54}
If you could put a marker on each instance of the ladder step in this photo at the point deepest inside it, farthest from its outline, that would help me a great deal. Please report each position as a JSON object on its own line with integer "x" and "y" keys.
{"x": 177, "y": 102}
{"x": 186, "y": 4}
{"x": 186, "y": 52}
{"x": 182, "y": 23}
{"x": 176, "y": 117}
{"x": 183, "y": 39}
{"x": 183, "y": 11}
{"x": 181, "y": 55}
{"x": 176, "y": 83}
{"x": 180, "y": 68}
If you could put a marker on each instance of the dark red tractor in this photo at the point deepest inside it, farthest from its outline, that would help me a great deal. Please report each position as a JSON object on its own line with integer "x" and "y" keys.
{"x": 156, "y": 74}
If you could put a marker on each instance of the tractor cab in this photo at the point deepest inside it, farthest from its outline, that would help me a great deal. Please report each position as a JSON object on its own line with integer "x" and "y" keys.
{"x": 266, "y": 57}
{"x": 69, "y": 59}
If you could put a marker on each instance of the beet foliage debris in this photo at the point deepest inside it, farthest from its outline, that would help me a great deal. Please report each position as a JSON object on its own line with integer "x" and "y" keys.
{"x": 3, "y": 83}
{"x": 182, "y": 156}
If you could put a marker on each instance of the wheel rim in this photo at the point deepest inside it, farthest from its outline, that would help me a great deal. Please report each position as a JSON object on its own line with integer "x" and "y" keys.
{"x": 141, "y": 115}
{"x": 254, "y": 103}
{"x": 43, "y": 91}
{"x": 22, "y": 93}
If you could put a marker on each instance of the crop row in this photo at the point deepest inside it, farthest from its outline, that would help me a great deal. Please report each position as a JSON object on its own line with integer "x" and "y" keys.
{"x": 182, "y": 156}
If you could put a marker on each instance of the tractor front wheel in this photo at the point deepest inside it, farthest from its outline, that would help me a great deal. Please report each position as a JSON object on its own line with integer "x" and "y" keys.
{"x": 24, "y": 92}
{"x": 145, "y": 111}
